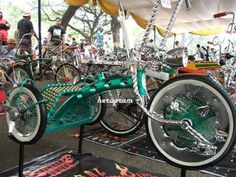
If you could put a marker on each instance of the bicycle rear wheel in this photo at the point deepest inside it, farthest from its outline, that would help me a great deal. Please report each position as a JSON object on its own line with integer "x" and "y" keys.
{"x": 28, "y": 120}
{"x": 208, "y": 110}
{"x": 122, "y": 118}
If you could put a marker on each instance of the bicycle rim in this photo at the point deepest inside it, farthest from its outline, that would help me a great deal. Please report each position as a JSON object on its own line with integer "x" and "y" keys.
{"x": 28, "y": 123}
{"x": 210, "y": 113}
{"x": 66, "y": 74}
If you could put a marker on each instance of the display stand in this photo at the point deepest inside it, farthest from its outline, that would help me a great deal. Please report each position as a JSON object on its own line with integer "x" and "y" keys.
{"x": 21, "y": 152}
{"x": 80, "y": 146}
{"x": 183, "y": 172}
{"x": 21, "y": 160}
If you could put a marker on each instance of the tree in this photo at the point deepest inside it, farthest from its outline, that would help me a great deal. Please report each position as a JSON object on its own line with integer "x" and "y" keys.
{"x": 69, "y": 13}
{"x": 77, "y": 20}
{"x": 88, "y": 19}
{"x": 115, "y": 28}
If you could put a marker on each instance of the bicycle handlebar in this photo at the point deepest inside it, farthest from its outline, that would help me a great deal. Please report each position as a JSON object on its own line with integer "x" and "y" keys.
{"x": 221, "y": 14}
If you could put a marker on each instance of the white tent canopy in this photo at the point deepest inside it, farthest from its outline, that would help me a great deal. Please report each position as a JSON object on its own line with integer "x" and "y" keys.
{"x": 199, "y": 17}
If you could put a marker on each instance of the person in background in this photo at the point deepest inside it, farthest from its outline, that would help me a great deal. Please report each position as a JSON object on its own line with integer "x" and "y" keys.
{"x": 199, "y": 53}
{"x": 56, "y": 33}
{"x": 213, "y": 54}
{"x": 204, "y": 53}
{"x": 10, "y": 49}
{"x": 176, "y": 44}
{"x": 207, "y": 53}
{"x": 25, "y": 26}
{"x": 45, "y": 41}
{"x": 74, "y": 42}
{"x": 23, "y": 49}
{"x": 4, "y": 27}
{"x": 100, "y": 38}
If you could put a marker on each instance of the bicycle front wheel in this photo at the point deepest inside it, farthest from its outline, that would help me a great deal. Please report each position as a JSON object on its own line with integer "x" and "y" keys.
{"x": 31, "y": 118}
{"x": 66, "y": 73}
{"x": 209, "y": 112}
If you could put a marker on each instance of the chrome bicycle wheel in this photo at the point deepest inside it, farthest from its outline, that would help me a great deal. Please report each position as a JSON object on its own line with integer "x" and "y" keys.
{"x": 28, "y": 119}
{"x": 208, "y": 110}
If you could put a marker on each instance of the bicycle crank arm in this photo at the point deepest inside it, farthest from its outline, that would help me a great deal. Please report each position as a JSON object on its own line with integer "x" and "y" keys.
{"x": 203, "y": 143}
{"x": 185, "y": 124}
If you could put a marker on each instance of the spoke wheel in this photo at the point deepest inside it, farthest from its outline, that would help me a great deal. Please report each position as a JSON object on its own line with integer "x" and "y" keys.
{"x": 122, "y": 118}
{"x": 18, "y": 74}
{"x": 209, "y": 111}
{"x": 66, "y": 73}
{"x": 30, "y": 121}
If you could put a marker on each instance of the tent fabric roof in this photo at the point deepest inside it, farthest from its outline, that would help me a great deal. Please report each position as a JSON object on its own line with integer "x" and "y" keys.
{"x": 198, "y": 20}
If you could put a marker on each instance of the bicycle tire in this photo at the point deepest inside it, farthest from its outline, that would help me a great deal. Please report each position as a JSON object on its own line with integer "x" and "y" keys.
{"x": 27, "y": 131}
{"x": 208, "y": 109}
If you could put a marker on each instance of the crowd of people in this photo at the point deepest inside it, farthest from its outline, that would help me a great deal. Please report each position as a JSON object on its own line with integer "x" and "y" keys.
{"x": 205, "y": 53}
{"x": 22, "y": 42}
{"x": 201, "y": 53}
{"x": 8, "y": 45}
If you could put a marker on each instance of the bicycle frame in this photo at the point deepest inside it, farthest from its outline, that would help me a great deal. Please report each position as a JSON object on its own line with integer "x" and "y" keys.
{"x": 58, "y": 50}
{"x": 53, "y": 92}
{"x": 27, "y": 59}
{"x": 102, "y": 85}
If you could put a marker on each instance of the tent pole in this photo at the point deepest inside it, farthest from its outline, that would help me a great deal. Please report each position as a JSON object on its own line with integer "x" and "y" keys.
{"x": 155, "y": 35}
{"x": 174, "y": 41}
{"x": 40, "y": 36}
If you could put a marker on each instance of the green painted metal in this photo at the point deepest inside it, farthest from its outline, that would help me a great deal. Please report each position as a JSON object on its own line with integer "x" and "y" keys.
{"x": 78, "y": 107}
{"x": 187, "y": 110}
{"x": 141, "y": 79}
{"x": 73, "y": 112}
{"x": 100, "y": 76}
{"x": 169, "y": 70}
